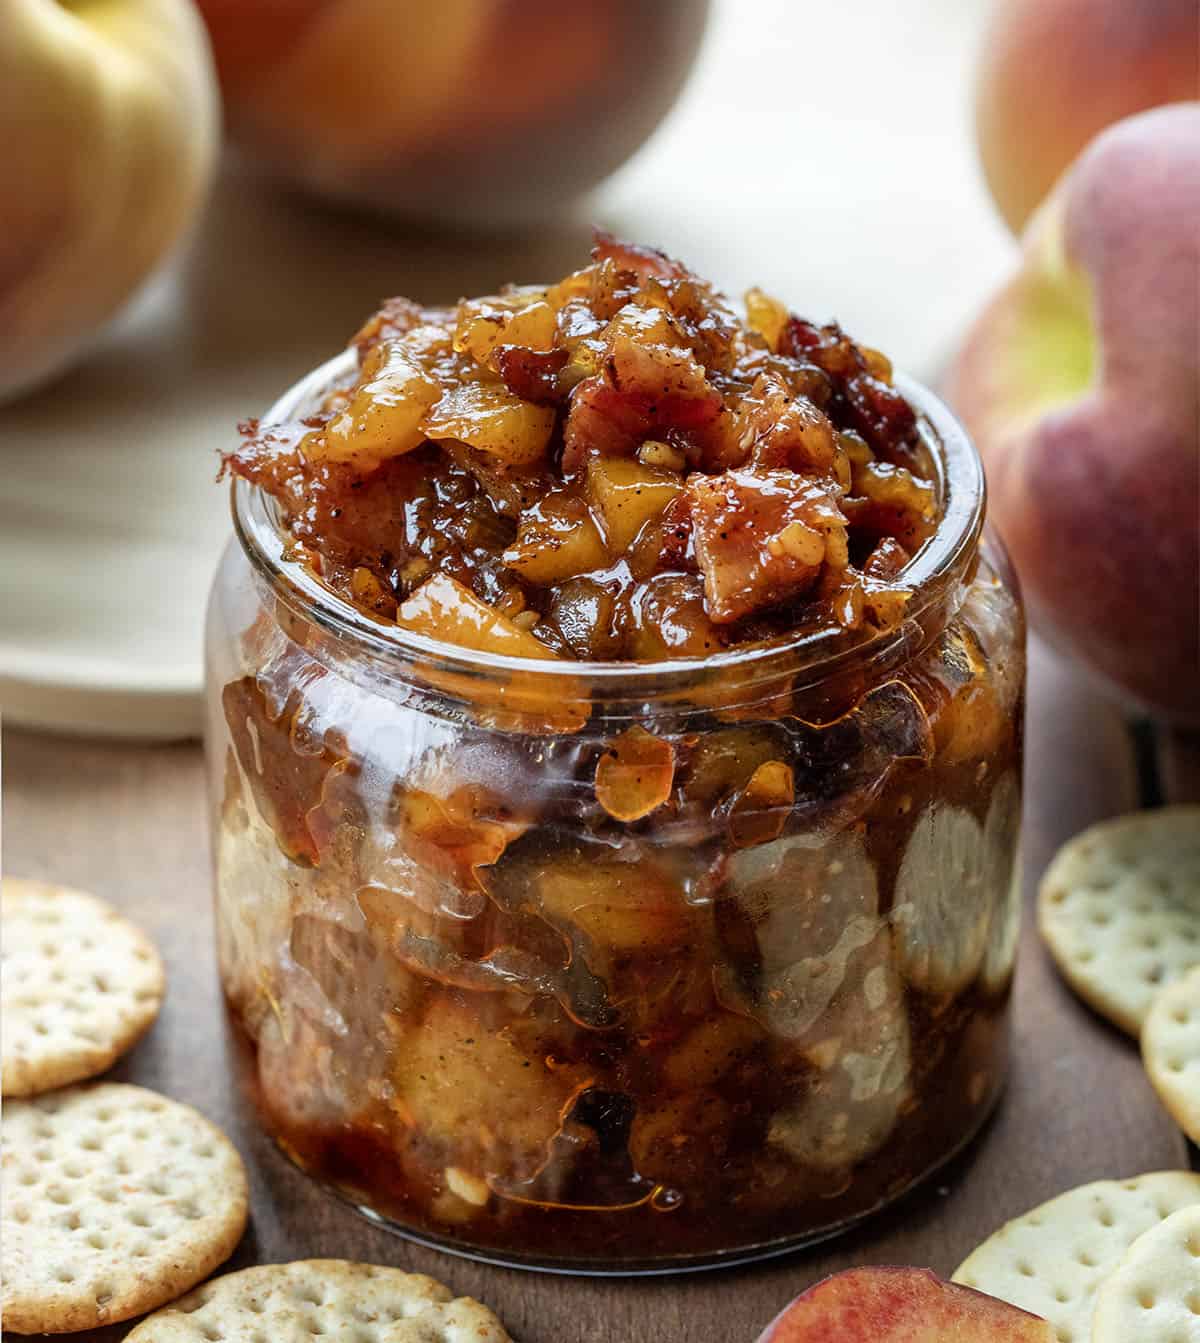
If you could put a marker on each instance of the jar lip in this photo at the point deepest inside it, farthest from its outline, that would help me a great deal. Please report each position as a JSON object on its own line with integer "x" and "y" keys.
{"x": 963, "y": 496}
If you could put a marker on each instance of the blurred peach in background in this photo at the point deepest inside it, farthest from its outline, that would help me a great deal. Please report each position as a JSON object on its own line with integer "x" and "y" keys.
{"x": 1054, "y": 73}
{"x": 108, "y": 121}
{"x": 469, "y": 110}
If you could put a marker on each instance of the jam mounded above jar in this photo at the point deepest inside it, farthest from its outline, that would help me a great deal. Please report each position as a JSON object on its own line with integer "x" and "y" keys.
{"x": 613, "y": 467}
{"x": 615, "y": 743}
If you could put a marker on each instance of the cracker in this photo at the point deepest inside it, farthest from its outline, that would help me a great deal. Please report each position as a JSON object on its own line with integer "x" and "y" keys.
{"x": 290, "y": 1303}
{"x": 1171, "y": 1051}
{"x": 116, "y": 1200}
{"x": 1119, "y": 908}
{"x": 1052, "y": 1260}
{"x": 1154, "y": 1292}
{"x": 81, "y": 986}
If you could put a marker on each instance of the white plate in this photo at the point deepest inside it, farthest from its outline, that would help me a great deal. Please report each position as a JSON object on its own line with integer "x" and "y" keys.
{"x": 821, "y": 151}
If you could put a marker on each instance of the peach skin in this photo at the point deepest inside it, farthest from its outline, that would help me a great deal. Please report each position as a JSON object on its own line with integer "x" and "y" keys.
{"x": 1054, "y": 73}
{"x": 901, "y": 1305}
{"x": 1081, "y": 385}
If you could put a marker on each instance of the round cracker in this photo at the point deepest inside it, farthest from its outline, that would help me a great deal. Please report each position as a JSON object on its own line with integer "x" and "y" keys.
{"x": 1052, "y": 1260}
{"x": 1119, "y": 908}
{"x": 81, "y": 986}
{"x": 290, "y": 1303}
{"x": 1154, "y": 1292}
{"x": 116, "y": 1201}
{"x": 1171, "y": 1051}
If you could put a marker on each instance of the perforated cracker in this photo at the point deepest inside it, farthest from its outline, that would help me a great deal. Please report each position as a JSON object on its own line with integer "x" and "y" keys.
{"x": 1052, "y": 1260}
{"x": 293, "y": 1303}
{"x": 1171, "y": 1051}
{"x": 80, "y": 986}
{"x": 1154, "y": 1292}
{"x": 1119, "y": 908}
{"x": 116, "y": 1200}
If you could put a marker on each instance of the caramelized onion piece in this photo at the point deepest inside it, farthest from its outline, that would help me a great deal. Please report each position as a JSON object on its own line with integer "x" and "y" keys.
{"x": 456, "y": 835}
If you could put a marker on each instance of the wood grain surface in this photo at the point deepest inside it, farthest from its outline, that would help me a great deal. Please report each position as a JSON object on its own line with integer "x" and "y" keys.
{"x": 129, "y": 823}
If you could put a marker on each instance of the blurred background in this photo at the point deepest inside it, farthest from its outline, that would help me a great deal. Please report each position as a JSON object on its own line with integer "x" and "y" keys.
{"x": 175, "y": 252}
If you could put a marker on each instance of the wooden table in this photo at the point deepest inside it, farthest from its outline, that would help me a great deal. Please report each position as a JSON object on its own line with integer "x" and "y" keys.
{"x": 129, "y": 823}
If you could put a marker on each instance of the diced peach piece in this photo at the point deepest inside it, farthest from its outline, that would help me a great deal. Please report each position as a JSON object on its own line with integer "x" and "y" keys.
{"x": 635, "y": 775}
{"x": 384, "y": 416}
{"x": 487, "y": 416}
{"x": 627, "y": 495}
{"x": 624, "y": 907}
{"x": 462, "y": 1083}
{"x": 644, "y": 326}
{"x": 761, "y": 538}
{"x": 766, "y": 315}
{"x": 787, "y": 430}
{"x": 883, "y": 1304}
{"x": 441, "y": 608}
{"x": 483, "y": 325}
{"x": 710, "y": 1050}
{"x": 556, "y": 540}
{"x": 760, "y": 812}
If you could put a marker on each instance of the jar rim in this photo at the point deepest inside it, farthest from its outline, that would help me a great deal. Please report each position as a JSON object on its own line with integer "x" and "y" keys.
{"x": 816, "y": 654}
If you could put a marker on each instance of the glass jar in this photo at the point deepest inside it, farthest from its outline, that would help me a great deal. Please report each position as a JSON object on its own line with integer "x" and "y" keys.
{"x": 618, "y": 967}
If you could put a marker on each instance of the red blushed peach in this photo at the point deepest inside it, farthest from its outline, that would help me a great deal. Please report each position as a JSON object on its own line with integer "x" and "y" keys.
{"x": 1081, "y": 384}
{"x": 1055, "y": 73}
{"x": 108, "y": 128}
{"x": 481, "y": 110}
{"x": 901, "y": 1305}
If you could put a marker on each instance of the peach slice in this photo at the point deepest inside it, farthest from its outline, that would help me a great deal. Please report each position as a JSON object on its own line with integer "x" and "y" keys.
{"x": 883, "y": 1304}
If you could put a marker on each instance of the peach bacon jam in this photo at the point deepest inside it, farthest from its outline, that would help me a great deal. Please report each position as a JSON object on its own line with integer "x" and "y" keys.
{"x": 615, "y": 730}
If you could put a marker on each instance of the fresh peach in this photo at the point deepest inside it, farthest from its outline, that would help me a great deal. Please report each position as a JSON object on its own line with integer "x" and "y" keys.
{"x": 901, "y": 1305}
{"x": 481, "y": 110}
{"x": 1055, "y": 73}
{"x": 1080, "y": 383}
{"x": 108, "y": 118}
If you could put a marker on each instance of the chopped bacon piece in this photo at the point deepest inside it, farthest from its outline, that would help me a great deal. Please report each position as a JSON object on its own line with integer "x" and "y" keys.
{"x": 628, "y": 256}
{"x": 762, "y": 537}
{"x": 787, "y": 431}
{"x": 643, "y": 391}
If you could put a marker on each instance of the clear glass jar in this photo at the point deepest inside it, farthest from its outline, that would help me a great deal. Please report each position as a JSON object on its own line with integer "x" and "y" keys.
{"x": 621, "y": 967}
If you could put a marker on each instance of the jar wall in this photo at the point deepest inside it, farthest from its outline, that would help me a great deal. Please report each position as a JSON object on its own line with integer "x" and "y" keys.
{"x": 483, "y": 995}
